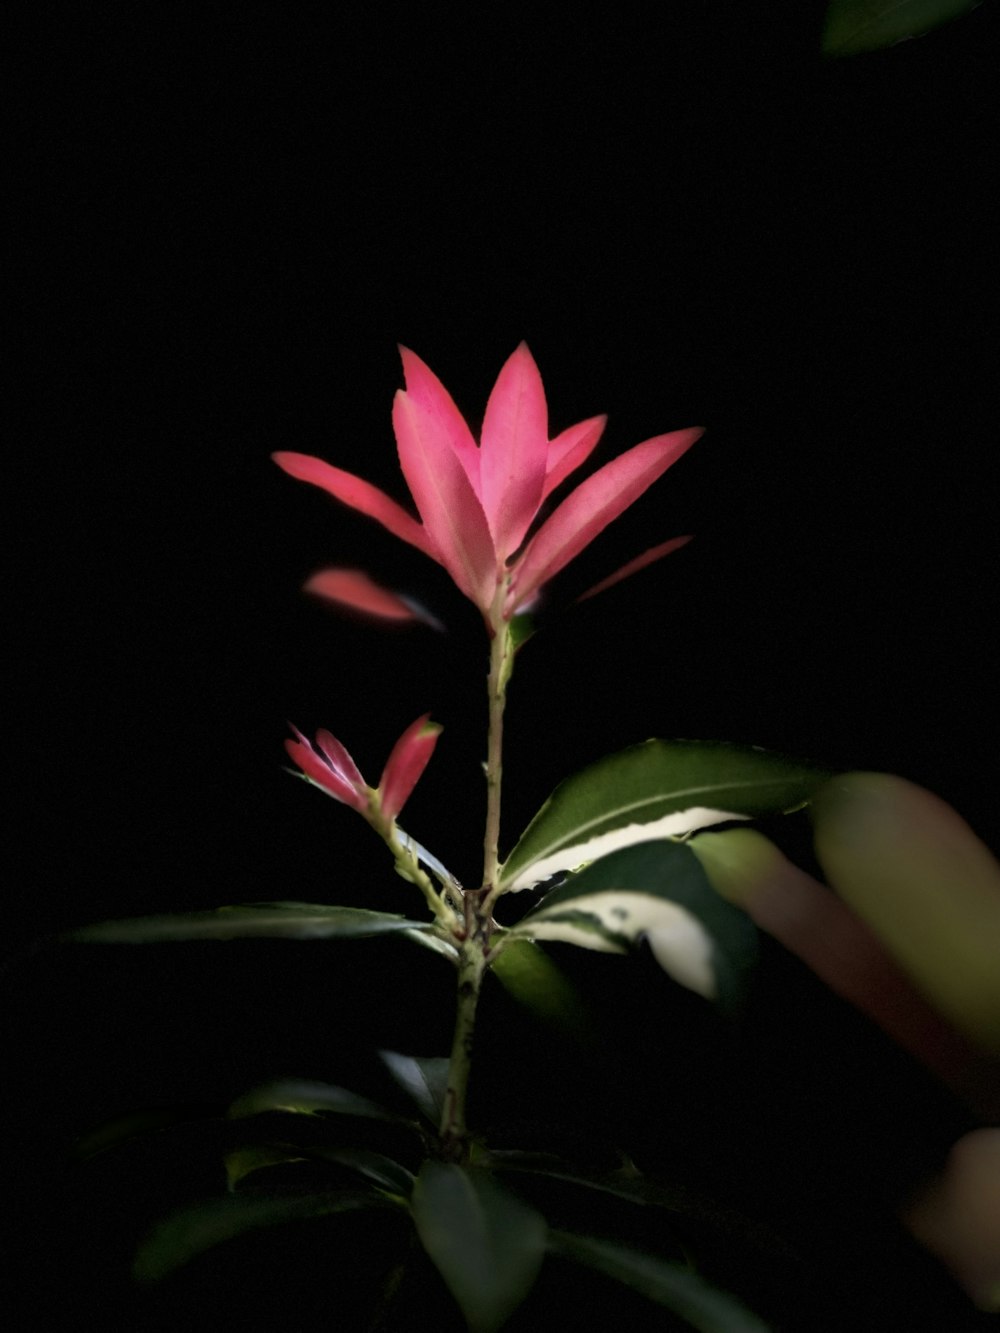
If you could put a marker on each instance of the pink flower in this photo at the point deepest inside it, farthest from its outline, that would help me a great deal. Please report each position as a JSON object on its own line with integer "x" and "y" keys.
{"x": 478, "y": 502}
{"x": 329, "y": 766}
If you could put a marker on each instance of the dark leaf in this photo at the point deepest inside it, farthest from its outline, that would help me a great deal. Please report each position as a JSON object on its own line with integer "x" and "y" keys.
{"x": 701, "y": 1305}
{"x": 487, "y": 1244}
{"x": 304, "y": 1097}
{"x": 853, "y": 26}
{"x": 180, "y": 1238}
{"x": 423, "y": 1077}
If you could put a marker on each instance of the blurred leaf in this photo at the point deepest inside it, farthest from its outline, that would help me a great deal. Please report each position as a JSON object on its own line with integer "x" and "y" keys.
{"x": 423, "y": 1077}
{"x": 285, "y": 921}
{"x": 152, "y": 1120}
{"x": 185, "y": 1235}
{"x": 914, "y": 871}
{"x": 702, "y": 1306}
{"x": 853, "y": 26}
{"x": 303, "y": 1097}
{"x": 534, "y": 980}
{"x": 487, "y": 1244}
{"x": 655, "y": 790}
{"x": 631, "y": 1185}
{"x": 657, "y": 891}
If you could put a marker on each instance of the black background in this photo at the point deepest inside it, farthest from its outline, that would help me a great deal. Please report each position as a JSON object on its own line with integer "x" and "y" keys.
{"x": 229, "y": 220}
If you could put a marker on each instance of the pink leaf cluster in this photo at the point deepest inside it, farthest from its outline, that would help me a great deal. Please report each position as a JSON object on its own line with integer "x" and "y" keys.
{"x": 328, "y": 765}
{"x": 478, "y": 502}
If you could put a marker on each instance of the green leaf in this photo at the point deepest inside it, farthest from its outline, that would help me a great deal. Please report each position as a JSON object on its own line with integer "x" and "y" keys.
{"x": 701, "y": 1305}
{"x": 522, "y": 627}
{"x": 853, "y": 26}
{"x": 180, "y": 1238}
{"x": 283, "y": 921}
{"x": 654, "y": 790}
{"x": 629, "y": 1185}
{"x": 243, "y": 1162}
{"x": 383, "y": 1171}
{"x": 423, "y": 1077}
{"x": 304, "y": 1097}
{"x": 487, "y": 1245}
{"x": 529, "y": 975}
{"x": 380, "y": 1170}
{"x": 657, "y": 891}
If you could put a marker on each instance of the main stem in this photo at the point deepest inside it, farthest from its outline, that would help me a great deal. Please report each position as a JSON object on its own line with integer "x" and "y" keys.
{"x": 478, "y": 905}
{"x": 501, "y": 662}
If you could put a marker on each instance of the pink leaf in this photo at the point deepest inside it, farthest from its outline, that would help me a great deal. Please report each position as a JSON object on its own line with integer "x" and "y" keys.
{"x": 424, "y": 387}
{"x": 339, "y": 759}
{"x": 406, "y": 763}
{"x": 315, "y": 767}
{"x": 592, "y": 506}
{"x": 359, "y": 494}
{"x": 515, "y": 446}
{"x": 450, "y": 508}
{"x": 633, "y": 566}
{"x": 571, "y": 448}
{"x": 355, "y": 589}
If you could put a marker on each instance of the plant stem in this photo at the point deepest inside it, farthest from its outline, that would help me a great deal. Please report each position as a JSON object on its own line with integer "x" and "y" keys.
{"x": 501, "y": 662}
{"x": 478, "y": 903}
{"x": 471, "y": 967}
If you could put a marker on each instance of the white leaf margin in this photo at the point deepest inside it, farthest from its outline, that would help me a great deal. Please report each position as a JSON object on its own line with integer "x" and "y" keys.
{"x": 677, "y": 824}
{"x": 614, "y": 921}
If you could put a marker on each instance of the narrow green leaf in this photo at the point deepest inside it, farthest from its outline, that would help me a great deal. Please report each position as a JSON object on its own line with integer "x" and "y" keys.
{"x": 374, "y": 1166}
{"x": 628, "y": 1183}
{"x": 424, "y": 1077}
{"x": 631, "y": 1186}
{"x": 243, "y": 1162}
{"x": 656, "y": 891}
{"x": 853, "y": 26}
{"x": 286, "y": 921}
{"x": 304, "y": 1097}
{"x": 654, "y": 790}
{"x": 487, "y": 1245}
{"x": 703, "y": 1306}
{"x": 383, "y": 1171}
{"x": 186, "y": 1234}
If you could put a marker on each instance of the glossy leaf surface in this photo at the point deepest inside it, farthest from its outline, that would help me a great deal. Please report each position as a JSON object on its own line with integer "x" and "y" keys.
{"x": 653, "y": 790}
{"x": 423, "y": 1077}
{"x": 305, "y": 1097}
